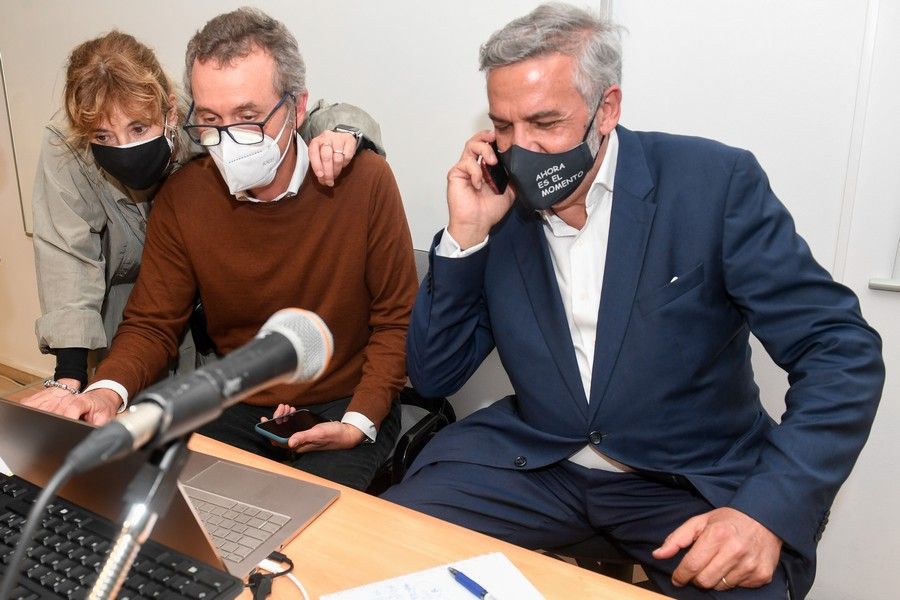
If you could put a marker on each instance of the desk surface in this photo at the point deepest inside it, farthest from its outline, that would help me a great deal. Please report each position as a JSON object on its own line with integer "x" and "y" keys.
{"x": 360, "y": 539}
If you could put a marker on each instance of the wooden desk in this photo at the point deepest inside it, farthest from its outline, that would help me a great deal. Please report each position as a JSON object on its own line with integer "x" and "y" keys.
{"x": 360, "y": 539}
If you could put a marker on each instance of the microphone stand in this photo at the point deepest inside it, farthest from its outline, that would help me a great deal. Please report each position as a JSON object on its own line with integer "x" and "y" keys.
{"x": 149, "y": 495}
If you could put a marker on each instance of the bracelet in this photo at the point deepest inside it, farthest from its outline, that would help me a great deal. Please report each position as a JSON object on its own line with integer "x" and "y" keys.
{"x": 53, "y": 383}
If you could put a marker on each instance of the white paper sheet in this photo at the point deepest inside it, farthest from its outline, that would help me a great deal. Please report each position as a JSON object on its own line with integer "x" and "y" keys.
{"x": 494, "y": 572}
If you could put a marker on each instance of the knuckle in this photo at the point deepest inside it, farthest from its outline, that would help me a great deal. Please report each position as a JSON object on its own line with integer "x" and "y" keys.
{"x": 762, "y": 575}
{"x": 691, "y": 564}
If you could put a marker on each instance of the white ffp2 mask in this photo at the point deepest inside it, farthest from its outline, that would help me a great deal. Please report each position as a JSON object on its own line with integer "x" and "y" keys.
{"x": 248, "y": 166}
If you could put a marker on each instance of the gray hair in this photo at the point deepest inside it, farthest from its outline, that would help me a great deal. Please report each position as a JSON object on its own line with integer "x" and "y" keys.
{"x": 234, "y": 35}
{"x": 594, "y": 42}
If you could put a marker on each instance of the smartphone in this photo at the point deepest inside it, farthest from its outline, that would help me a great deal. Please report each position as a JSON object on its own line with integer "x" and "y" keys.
{"x": 495, "y": 175}
{"x": 281, "y": 429}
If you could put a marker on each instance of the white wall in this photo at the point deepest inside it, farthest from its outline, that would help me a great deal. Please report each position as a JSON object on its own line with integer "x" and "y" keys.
{"x": 412, "y": 65}
{"x": 18, "y": 290}
{"x": 858, "y": 553}
{"x": 783, "y": 79}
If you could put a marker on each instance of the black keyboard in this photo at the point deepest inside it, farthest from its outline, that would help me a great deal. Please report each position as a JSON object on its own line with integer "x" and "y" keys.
{"x": 70, "y": 548}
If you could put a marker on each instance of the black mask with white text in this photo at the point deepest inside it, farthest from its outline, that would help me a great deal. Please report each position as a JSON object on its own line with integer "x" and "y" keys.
{"x": 543, "y": 179}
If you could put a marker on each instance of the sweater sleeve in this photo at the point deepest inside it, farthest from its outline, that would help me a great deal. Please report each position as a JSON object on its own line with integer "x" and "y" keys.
{"x": 391, "y": 281}
{"x": 158, "y": 309}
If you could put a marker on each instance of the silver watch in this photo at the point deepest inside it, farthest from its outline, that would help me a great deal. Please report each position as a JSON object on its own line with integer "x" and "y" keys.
{"x": 354, "y": 131}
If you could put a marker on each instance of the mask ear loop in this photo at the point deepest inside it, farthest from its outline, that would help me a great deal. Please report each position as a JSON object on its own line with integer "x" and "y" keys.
{"x": 169, "y": 132}
{"x": 284, "y": 127}
{"x": 590, "y": 126}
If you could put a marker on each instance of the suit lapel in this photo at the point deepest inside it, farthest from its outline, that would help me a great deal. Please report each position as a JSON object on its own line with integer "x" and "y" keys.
{"x": 535, "y": 265}
{"x": 629, "y": 231}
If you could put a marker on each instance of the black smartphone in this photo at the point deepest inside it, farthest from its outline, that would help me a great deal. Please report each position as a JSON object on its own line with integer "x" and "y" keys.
{"x": 495, "y": 175}
{"x": 281, "y": 429}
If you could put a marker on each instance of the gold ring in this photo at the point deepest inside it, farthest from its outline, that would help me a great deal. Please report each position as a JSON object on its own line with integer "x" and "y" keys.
{"x": 725, "y": 583}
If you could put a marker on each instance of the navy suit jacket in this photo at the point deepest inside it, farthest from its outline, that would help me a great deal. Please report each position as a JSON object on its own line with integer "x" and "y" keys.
{"x": 672, "y": 389}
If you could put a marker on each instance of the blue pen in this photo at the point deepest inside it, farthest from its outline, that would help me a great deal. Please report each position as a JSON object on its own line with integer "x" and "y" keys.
{"x": 478, "y": 591}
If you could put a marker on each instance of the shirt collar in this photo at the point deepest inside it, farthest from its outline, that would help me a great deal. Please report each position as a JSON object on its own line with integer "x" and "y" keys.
{"x": 297, "y": 178}
{"x": 605, "y": 178}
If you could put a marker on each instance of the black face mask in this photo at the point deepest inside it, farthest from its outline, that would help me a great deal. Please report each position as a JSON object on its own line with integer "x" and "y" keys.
{"x": 543, "y": 179}
{"x": 139, "y": 166}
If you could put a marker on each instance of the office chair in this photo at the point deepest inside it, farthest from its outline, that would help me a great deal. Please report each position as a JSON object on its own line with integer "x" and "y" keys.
{"x": 420, "y": 419}
{"x": 601, "y": 555}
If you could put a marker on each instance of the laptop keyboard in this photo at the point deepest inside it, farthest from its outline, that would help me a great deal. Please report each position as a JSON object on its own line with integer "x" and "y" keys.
{"x": 71, "y": 547}
{"x": 236, "y": 528}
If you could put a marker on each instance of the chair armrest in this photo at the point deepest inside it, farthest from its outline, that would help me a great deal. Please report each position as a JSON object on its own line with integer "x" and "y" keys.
{"x": 411, "y": 443}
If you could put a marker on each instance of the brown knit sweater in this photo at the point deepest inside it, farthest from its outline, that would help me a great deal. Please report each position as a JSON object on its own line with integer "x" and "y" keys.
{"x": 343, "y": 252}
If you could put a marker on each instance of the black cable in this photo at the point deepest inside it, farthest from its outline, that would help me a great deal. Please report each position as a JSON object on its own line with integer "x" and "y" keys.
{"x": 35, "y": 517}
{"x": 260, "y": 583}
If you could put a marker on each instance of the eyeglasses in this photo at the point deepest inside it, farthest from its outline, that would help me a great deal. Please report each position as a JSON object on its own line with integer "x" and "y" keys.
{"x": 242, "y": 133}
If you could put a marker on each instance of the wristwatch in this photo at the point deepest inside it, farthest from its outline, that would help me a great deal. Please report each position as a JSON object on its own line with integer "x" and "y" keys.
{"x": 354, "y": 131}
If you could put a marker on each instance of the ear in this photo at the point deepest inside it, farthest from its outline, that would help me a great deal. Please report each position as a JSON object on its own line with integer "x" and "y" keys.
{"x": 302, "y": 99}
{"x": 609, "y": 110}
{"x": 171, "y": 116}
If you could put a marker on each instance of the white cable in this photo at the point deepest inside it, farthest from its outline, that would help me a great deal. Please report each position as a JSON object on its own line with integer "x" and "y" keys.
{"x": 273, "y": 567}
{"x": 299, "y": 585}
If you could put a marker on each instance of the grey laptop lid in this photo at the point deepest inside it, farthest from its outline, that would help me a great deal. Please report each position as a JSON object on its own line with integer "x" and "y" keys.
{"x": 33, "y": 444}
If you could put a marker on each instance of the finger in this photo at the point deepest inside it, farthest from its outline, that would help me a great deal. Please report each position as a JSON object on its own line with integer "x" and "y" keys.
{"x": 696, "y": 561}
{"x": 720, "y": 565}
{"x": 299, "y": 442}
{"x": 338, "y": 160}
{"x": 350, "y": 147}
{"x": 681, "y": 538}
{"x": 327, "y": 156}
{"x": 470, "y": 168}
{"x": 75, "y": 409}
{"x": 482, "y": 151}
{"x": 480, "y": 144}
{"x": 315, "y": 160}
{"x": 99, "y": 418}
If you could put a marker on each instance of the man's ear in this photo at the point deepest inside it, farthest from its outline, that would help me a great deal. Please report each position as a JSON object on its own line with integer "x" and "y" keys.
{"x": 302, "y": 99}
{"x": 610, "y": 110}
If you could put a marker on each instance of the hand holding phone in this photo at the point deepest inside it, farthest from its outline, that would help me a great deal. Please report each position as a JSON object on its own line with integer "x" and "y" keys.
{"x": 495, "y": 175}
{"x": 280, "y": 429}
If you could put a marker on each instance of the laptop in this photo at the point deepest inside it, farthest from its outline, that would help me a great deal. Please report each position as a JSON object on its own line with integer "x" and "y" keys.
{"x": 225, "y": 514}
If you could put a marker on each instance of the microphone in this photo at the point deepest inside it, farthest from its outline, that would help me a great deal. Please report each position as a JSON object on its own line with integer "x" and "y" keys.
{"x": 294, "y": 345}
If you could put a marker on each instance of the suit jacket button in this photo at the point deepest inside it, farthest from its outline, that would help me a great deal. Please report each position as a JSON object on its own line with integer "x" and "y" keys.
{"x": 595, "y": 437}
{"x": 520, "y": 461}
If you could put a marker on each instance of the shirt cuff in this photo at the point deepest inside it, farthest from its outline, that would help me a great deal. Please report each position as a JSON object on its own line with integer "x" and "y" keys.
{"x": 361, "y": 422}
{"x": 109, "y": 384}
{"x": 449, "y": 248}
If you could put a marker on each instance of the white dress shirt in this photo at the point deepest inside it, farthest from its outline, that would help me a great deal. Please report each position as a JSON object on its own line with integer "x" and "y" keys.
{"x": 579, "y": 260}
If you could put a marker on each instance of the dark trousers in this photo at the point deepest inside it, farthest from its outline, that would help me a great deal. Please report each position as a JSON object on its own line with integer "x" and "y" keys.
{"x": 564, "y": 504}
{"x": 354, "y": 467}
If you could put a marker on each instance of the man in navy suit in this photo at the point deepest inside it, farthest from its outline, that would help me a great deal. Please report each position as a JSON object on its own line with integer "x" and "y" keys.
{"x": 619, "y": 278}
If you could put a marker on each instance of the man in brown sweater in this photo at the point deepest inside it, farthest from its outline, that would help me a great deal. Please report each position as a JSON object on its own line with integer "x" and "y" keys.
{"x": 251, "y": 230}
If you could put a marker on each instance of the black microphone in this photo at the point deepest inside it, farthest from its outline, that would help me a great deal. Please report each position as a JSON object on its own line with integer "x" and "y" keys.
{"x": 294, "y": 345}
